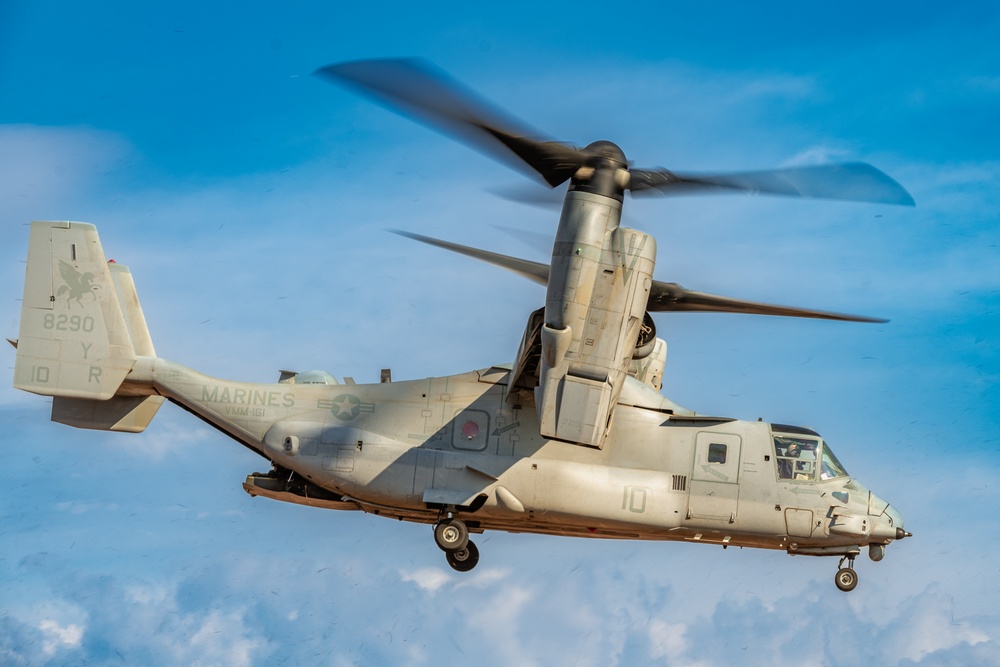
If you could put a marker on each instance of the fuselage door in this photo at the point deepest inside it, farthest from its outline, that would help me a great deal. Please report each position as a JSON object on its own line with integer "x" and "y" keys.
{"x": 715, "y": 479}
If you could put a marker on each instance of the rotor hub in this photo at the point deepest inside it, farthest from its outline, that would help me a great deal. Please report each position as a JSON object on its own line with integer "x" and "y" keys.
{"x": 604, "y": 171}
{"x": 606, "y": 151}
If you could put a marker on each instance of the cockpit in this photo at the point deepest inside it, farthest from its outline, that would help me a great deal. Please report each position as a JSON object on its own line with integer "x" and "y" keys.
{"x": 805, "y": 457}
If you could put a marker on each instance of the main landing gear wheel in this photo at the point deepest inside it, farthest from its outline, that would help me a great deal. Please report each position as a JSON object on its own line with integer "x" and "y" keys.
{"x": 451, "y": 535}
{"x": 465, "y": 559}
{"x": 847, "y": 578}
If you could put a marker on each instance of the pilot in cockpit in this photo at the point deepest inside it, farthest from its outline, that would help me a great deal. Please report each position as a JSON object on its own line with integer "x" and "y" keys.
{"x": 784, "y": 464}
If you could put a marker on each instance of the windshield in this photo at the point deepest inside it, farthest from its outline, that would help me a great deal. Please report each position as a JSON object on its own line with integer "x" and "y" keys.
{"x": 805, "y": 459}
{"x": 831, "y": 466}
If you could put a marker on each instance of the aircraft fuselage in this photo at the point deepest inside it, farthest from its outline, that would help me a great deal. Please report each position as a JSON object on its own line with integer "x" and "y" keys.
{"x": 415, "y": 449}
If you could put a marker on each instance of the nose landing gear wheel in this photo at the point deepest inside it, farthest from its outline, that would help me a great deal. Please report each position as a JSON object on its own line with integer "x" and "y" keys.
{"x": 465, "y": 559}
{"x": 451, "y": 535}
{"x": 847, "y": 579}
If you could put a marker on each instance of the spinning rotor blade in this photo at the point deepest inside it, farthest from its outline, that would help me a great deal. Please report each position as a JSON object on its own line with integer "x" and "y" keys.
{"x": 526, "y": 193}
{"x": 671, "y": 297}
{"x": 663, "y": 297}
{"x": 850, "y": 181}
{"x": 417, "y": 88}
{"x": 533, "y": 271}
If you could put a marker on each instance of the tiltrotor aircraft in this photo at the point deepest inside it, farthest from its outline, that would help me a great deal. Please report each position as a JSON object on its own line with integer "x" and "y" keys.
{"x": 573, "y": 438}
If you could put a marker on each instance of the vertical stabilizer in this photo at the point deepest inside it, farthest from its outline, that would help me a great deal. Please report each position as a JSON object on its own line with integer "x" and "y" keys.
{"x": 128, "y": 301}
{"x": 74, "y": 339}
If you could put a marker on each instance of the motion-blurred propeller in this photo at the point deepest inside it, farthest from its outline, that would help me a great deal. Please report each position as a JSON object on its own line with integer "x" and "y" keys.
{"x": 663, "y": 297}
{"x": 417, "y": 88}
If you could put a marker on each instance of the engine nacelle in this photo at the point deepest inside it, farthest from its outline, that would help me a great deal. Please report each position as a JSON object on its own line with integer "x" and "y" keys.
{"x": 595, "y": 310}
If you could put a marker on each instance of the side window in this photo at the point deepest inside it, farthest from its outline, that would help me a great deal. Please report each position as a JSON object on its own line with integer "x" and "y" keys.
{"x": 717, "y": 453}
{"x": 796, "y": 457}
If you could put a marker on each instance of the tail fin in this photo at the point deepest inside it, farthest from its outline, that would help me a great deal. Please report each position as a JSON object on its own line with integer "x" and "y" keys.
{"x": 81, "y": 330}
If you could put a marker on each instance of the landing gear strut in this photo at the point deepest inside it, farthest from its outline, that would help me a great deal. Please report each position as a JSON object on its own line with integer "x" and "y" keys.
{"x": 847, "y": 578}
{"x": 452, "y": 537}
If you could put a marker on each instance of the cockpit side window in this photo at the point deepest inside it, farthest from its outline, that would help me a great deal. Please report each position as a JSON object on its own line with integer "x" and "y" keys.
{"x": 796, "y": 457}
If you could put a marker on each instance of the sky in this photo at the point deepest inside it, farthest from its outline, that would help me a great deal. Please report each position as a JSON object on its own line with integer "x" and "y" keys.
{"x": 251, "y": 201}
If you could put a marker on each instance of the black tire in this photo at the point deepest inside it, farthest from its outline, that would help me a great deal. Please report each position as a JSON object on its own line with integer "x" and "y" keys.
{"x": 465, "y": 559}
{"x": 846, "y": 579}
{"x": 451, "y": 535}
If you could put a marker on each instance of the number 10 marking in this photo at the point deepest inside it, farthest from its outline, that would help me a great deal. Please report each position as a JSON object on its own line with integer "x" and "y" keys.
{"x": 634, "y": 499}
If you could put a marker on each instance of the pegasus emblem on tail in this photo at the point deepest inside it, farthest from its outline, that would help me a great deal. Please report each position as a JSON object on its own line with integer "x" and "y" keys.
{"x": 77, "y": 284}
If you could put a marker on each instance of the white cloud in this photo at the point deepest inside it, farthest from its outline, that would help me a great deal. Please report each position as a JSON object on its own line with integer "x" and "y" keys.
{"x": 166, "y": 437}
{"x": 926, "y": 625}
{"x": 56, "y": 637}
{"x": 429, "y": 579}
{"x": 55, "y": 172}
{"x": 589, "y": 602}
{"x": 483, "y": 577}
{"x": 500, "y": 622}
{"x": 140, "y": 623}
{"x": 220, "y": 639}
{"x": 148, "y": 594}
{"x": 667, "y": 640}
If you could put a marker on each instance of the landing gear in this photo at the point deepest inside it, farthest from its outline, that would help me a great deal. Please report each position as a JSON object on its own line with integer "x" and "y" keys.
{"x": 847, "y": 578}
{"x": 465, "y": 559}
{"x": 451, "y": 534}
{"x": 452, "y": 537}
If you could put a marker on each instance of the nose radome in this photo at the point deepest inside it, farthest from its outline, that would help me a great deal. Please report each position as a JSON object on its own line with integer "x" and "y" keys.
{"x": 897, "y": 521}
{"x": 889, "y": 525}
{"x": 894, "y": 516}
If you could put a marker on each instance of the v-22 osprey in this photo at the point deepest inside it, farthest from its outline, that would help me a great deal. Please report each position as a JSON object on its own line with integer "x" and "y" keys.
{"x": 573, "y": 438}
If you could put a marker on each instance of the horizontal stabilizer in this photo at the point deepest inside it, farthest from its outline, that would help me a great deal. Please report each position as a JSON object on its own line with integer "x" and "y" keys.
{"x": 130, "y": 414}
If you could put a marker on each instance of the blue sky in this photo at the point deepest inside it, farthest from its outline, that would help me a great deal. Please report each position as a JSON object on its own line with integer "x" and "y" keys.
{"x": 250, "y": 200}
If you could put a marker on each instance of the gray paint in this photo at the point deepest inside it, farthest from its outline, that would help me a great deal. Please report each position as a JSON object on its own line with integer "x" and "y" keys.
{"x": 420, "y": 450}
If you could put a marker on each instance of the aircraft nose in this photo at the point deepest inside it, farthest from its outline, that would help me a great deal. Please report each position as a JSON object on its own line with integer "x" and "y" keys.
{"x": 896, "y": 521}
{"x": 890, "y": 525}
